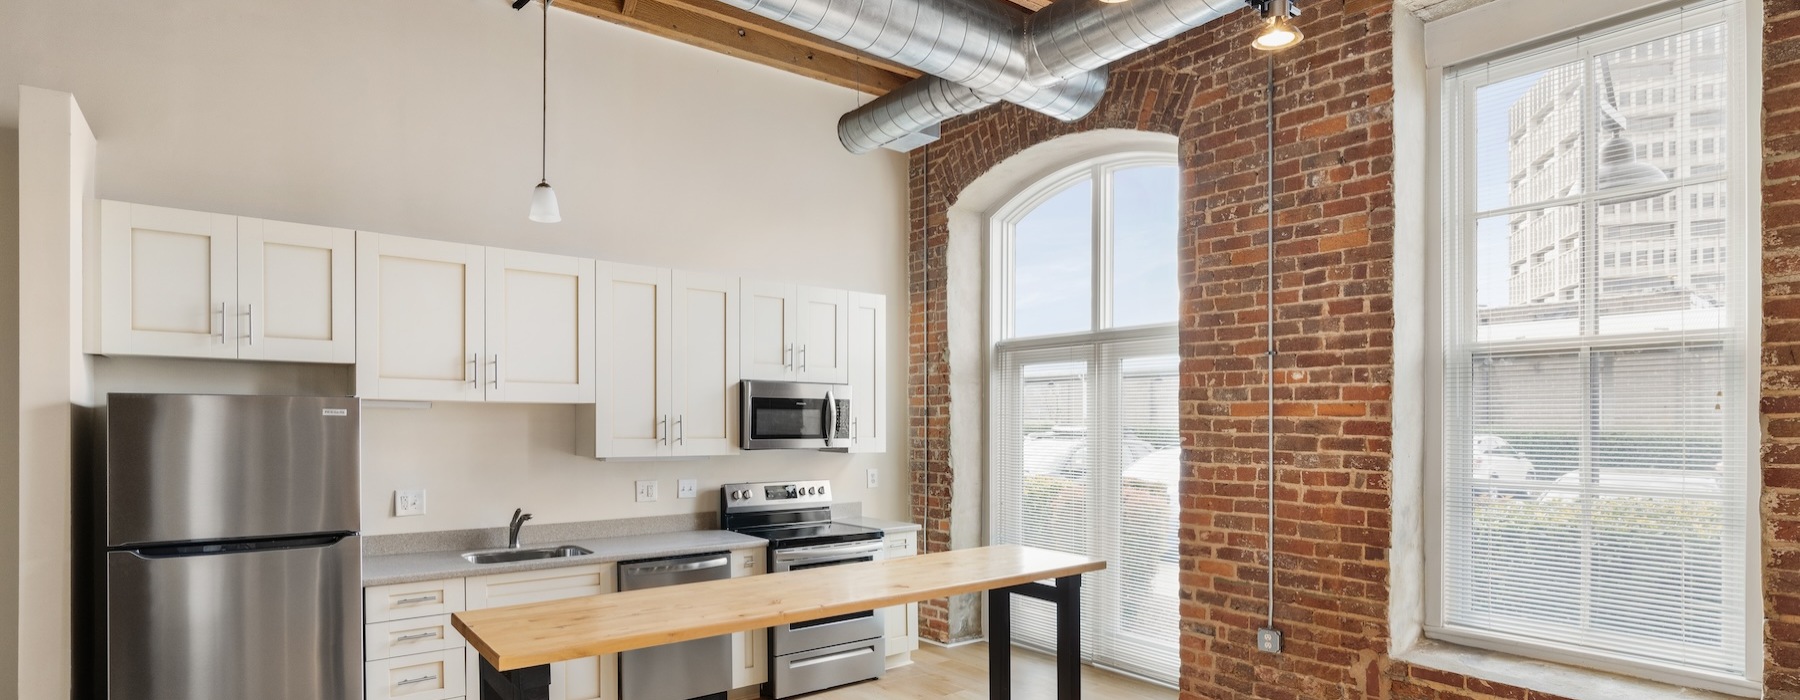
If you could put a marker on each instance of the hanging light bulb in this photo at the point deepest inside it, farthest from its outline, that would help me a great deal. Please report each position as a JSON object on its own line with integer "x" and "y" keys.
{"x": 1278, "y": 32}
{"x": 543, "y": 197}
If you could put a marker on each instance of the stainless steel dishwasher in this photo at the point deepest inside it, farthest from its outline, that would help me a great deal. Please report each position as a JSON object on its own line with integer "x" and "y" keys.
{"x": 700, "y": 668}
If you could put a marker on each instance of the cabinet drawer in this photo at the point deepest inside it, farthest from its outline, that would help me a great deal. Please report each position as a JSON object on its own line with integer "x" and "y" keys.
{"x": 436, "y": 675}
{"x": 417, "y": 635}
{"x": 421, "y": 599}
{"x": 900, "y": 545}
{"x": 538, "y": 586}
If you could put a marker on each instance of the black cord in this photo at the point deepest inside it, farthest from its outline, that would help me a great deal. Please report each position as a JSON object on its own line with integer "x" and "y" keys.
{"x": 544, "y": 113}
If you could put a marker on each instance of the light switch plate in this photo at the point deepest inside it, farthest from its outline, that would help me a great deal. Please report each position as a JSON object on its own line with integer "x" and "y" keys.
{"x": 874, "y": 478}
{"x": 686, "y": 488}
{"x": 646, "y": 491}
{"x": 409, "y": 503}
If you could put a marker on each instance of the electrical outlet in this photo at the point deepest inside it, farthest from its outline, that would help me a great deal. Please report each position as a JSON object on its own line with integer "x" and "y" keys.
{"x": 874, "y": 478}
{"x": 686, "y": 488}
{"x": 407, "y": 503}
{"x": 646, "y": 491}
{"x": 1268, "y": 640}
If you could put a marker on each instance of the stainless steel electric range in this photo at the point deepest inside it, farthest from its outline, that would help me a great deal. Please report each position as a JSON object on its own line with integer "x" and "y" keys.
{"x": 795, "y": 517}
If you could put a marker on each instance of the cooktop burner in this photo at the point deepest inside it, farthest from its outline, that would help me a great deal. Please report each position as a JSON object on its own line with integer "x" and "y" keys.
{"x": 787, "y": 514}
{"x": 815, "y": 533}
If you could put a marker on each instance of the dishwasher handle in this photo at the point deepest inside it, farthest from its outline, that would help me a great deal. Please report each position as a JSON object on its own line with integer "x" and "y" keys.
{"x": 670, "y": 566}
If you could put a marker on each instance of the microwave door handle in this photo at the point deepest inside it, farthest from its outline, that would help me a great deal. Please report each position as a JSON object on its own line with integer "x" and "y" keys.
{"x": 831, "y": 416}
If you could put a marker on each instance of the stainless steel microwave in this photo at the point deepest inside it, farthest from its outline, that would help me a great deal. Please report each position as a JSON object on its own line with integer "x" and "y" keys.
{"x": 795, "y": 416}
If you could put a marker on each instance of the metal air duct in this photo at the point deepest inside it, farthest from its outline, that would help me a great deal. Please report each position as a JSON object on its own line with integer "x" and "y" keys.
{"x": 930, "y": 100}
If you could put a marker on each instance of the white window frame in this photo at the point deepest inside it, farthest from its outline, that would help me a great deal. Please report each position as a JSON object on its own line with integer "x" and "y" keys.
{"x": 1457, "y": 208}
{"x": 998, "y": 234}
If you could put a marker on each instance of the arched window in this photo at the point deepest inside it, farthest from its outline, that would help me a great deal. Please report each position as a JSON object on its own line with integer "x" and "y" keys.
{"x": 1084, "y": 431}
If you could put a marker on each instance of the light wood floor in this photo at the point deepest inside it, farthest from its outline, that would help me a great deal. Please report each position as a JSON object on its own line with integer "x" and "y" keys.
{"x": 938, "y": 673}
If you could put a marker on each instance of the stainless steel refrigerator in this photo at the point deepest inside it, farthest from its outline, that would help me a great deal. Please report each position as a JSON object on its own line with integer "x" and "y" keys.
{"x": 232, "y": 566}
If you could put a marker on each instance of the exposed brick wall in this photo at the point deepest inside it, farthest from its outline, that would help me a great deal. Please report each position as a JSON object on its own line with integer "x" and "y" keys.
{"x": 1781, "y": 349}
{"x": 1335, "y": 233}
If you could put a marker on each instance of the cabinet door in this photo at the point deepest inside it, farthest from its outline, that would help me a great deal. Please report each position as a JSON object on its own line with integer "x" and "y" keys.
{"x": 901, "y": 621}
{"x": 167, "y": 282}
{"x": 419, "y": 308}
{"x": 540, "y": 328}
{"x": 633, "y": 413}
{"x": 593, "y": 678}
{"x": 770, "y": 328}
{"x": 706, "y": 364}
{"x": 749, "y": 649}
{"x": 823, "y": 355}
{"x": 296, "y": 292}
{"x": 868, "y": 372}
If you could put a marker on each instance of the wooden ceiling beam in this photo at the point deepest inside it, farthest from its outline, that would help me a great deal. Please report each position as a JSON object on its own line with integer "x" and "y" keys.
{"x": 763, "y": 42}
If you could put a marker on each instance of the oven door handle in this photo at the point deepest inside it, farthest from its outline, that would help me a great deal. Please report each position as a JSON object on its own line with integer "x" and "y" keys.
{"x": 818, "y": 556}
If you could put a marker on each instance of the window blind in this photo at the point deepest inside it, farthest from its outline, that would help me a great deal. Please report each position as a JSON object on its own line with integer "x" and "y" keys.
{"x": 1595, "y": 484}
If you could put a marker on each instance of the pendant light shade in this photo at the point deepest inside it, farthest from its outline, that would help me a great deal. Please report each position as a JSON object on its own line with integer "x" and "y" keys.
{"x": 543, "y": 204}
{"x": 1278, "y": 31}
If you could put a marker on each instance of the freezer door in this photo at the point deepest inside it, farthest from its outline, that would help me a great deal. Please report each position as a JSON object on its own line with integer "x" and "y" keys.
{"x": 186, "y": 467}
{"x": 280, "y": 624}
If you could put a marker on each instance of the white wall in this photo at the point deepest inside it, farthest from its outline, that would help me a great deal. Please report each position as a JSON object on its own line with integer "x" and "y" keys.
{"x": 419, "y": 118}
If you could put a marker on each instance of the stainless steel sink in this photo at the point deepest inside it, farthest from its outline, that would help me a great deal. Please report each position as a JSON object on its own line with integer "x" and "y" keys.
{"x": 510, "y": 555}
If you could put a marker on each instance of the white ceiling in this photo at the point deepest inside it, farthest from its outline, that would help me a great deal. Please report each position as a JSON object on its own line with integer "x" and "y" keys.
{"x": 1433, "y": 9}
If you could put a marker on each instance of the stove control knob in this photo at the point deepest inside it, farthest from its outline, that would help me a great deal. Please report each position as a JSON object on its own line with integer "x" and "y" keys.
{"x": 744, "y": 494}
{"x": 814, "y": 490}
{"x": 734, "y": 495}
{"x": 822, "y": 490}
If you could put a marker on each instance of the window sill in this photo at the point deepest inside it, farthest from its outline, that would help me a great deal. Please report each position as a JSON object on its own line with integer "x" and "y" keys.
{"x": 1572, "y": 682}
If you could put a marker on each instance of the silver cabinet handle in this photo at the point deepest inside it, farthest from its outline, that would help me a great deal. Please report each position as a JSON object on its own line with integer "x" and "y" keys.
{"x": 681, "y": 430}
{"x": 662, "y": 432}
{"x": 420, "y": 679}
{"x": 469, "y": 369}
{"x": 803, "y": 358}
{"x": 221, "y": 323}
{"x": 416, "y": 637}
{"x": 789, "y": 364}
{"x": 250, "y": 324}
{"x": 420, "y": 599}
{"x": 495, "y": 380}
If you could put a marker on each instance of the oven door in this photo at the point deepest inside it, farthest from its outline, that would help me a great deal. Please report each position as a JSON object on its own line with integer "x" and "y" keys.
{"x": 830, "y": 631}
{"x": 794, "y": 416}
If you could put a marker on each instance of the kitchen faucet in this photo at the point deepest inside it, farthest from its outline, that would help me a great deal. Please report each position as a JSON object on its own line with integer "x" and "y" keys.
{"x": 512, "y": 530}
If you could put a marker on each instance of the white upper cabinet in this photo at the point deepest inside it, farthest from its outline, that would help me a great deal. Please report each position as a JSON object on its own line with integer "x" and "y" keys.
{"x": 867, "y": 367}
{"x": 824, "y": 333}
{"x": 540, "y": 328}
{"x": 771, "y": 321}
{"x": 795, "y": 333}
{"x": 668, "y": 365}
{"x": 706, "y": 364}
{"x": 296, "y": 295}
{"x": 168, "y": 282}
{"x": 193, "y": 284}
{"x": 420, "y": 309}
{"x": 634, "y": 407}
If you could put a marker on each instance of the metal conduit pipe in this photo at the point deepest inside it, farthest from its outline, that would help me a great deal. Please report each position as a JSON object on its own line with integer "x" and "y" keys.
{"x": 930, "y": 100}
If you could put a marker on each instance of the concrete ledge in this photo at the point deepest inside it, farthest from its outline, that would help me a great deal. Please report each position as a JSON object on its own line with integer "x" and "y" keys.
{"x": 1573, "y": 682}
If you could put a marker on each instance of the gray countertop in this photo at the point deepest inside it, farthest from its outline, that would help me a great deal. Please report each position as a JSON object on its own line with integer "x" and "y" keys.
{"x": 886, "y": 526}
{"x": 380, "y": 570}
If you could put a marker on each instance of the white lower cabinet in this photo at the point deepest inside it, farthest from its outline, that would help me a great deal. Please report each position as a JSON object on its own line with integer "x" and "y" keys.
{"x": 749, "y": 650}
{"x": 593, "y": 678}
{"x": 411, "y": 650}
{"x": 901, "y": 621}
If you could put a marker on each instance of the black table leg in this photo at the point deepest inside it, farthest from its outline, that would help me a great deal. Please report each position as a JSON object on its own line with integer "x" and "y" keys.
{"x": 530, "y": 683}
{"x": 1066, "y": 595}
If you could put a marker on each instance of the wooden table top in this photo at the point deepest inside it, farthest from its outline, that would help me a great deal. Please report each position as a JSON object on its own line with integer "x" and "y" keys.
{"x": 521, "y": 636}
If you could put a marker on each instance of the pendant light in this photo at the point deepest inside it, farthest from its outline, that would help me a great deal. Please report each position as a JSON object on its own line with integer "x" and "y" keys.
{"x": 543, "y": 197}
{"x": 1278, "y": 32}
{"x": 1619, "y": 165}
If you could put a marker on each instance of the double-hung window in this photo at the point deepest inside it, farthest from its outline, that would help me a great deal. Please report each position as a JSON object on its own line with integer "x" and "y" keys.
{"x": 1594, "y": 497}
{"x": 1084, "y": 429}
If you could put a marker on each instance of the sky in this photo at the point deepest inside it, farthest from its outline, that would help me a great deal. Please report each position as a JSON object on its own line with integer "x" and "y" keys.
{"x": 1053, "y": 255}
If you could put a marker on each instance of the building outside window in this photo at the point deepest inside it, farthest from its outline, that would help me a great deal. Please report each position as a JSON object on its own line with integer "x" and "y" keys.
{"x": 1592, "y": 502}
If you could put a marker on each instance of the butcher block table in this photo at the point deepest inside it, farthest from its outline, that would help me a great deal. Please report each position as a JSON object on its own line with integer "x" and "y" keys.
{"x": 517, "y": 643}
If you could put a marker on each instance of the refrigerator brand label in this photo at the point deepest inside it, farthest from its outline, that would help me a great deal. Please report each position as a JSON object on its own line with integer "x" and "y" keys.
{"x": 335, "y": 411}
